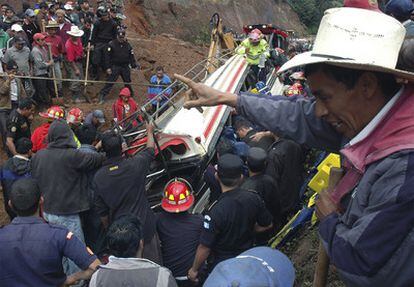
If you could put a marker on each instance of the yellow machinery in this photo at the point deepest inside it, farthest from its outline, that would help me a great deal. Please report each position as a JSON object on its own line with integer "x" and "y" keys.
{"x": 220, "y": 40}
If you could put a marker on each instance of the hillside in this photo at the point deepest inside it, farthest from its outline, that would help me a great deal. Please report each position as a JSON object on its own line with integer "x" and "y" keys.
{"x": 188, "y": 19}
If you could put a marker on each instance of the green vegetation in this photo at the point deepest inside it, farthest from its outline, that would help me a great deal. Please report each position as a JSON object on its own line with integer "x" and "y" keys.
{"x": 311, "y": 11}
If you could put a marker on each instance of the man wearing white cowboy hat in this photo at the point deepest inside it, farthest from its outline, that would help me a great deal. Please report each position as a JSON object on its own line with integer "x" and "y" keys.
{"x": 367, "y": 222}
{"x": 74, "y": 56}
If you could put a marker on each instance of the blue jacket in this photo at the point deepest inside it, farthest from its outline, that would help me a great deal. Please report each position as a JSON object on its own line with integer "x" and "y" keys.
{"x": 372, "y": 242}
{"x": 153, "y": 91}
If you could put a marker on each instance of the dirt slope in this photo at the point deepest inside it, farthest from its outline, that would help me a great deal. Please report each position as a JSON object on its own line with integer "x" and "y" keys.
{"x": 188, "y": 19}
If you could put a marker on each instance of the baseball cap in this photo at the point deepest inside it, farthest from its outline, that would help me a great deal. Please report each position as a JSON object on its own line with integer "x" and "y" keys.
{"x": 29, "y": 13}
{"x": 229, "y": 166}
{"x": 363, "y": 4}
{"x": 99, "y": 115}
{"x": 16, "y": 28}
{"x": 68, "y": 6}
{"x": 270, "y": 268}
{"x": 256, "y": 158}
{"x": 399, "y": 7}
{"x": 38, "y": 36}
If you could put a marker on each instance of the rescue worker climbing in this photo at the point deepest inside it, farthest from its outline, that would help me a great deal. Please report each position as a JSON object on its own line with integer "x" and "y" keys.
{"x": 256, "y": 50}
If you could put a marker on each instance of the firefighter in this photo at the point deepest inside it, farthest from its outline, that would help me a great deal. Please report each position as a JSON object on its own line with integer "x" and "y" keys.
{"x": 75, "y": 120}
{"x": 39, "y": 135}
{"x": 119, "y": 59}
{"x": 177, "y": 228}
{"x": 256, "y": 51}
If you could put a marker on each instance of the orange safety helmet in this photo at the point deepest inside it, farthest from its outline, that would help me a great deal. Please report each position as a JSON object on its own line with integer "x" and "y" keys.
{"x": 75, "y": 116}
{"x": 178, "y": 196}
{"x": 53, "y": 113}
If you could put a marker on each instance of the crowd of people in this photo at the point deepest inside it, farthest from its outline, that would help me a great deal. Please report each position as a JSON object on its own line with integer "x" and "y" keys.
{"x": 78, "y": 204}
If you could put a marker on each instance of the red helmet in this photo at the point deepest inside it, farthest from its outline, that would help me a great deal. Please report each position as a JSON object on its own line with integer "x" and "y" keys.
{"x": 53, "y": 113}
{"x": 75, "y": 116}
{"x": 295, "y": 89}
{"x": 178, "y": 196}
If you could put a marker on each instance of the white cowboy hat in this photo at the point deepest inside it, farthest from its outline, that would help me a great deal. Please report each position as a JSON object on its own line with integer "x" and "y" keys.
{"x": 358, "y": 39}
{"x": 75, "y": 31}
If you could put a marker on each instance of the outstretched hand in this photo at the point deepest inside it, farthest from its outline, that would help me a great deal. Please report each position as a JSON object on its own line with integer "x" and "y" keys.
{"x": 200, "y": 95}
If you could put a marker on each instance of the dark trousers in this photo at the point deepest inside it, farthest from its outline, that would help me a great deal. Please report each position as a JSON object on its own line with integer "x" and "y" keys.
{"x": 97, "y": 59}
{"x": 43, "y": 89}
{"x": 93, "y": 231}
{"x": 4, "y": 115}
{"x": 259, "y": 74}
{"x": 124, "y": 72}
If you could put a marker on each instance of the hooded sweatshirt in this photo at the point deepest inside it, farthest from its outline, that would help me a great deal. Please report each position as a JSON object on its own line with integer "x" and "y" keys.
{"x": 61, "y": 170}
{"x": 14, "y": 169}
{"x": 39, "y": 137}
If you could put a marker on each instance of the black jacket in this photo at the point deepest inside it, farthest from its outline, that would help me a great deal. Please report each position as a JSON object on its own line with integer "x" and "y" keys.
{"x": 285, "y": 166}
{"x": 103, "y": 31}
{"x": 264, "y": 185}
{"x": 119, "y": 54}
{"x": 61, "y": 170}
{"x": 119, "y": 187}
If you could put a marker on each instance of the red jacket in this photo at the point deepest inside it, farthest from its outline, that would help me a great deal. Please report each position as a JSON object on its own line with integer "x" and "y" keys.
{"x": 119, "y": 109}
{"x": 39, "y": 137}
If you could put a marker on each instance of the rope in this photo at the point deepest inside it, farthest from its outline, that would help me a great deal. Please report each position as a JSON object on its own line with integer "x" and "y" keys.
{"x": 83, "y": 81}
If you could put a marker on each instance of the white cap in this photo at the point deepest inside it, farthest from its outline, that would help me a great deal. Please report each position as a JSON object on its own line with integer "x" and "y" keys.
{"x": 16, "y": 28}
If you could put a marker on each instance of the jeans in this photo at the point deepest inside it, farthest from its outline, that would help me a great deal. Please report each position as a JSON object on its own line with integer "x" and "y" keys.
{"x": 75, "y": 87}
{"x": 73, "y": 223}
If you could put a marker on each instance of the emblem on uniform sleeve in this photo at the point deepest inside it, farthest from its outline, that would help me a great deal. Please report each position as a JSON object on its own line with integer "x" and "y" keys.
{"x": 207, "y": 220}
{"x": 69, "y": 235}
{"x": 13, "y": 129}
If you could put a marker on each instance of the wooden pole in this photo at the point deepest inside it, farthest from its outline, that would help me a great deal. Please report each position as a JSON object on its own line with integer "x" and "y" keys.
{"x": 322, "y": 265}
{"x": 88, "y": 52}
{"x": 53, "y": 71}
